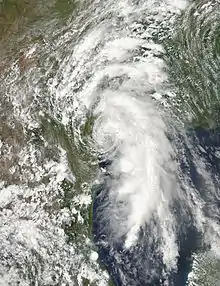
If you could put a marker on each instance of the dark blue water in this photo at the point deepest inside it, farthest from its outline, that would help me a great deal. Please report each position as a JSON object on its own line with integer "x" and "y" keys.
{"x": 142, "y": 264}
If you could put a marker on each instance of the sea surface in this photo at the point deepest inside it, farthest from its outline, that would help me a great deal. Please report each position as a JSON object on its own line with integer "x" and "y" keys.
{"x": 109, "y": 143}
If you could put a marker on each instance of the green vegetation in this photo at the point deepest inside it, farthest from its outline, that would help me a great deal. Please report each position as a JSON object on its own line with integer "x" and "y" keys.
{"x": 17, "y": 13}
{"x": 81, "y": 163}
{"x": 193, "y": 60}
{"x": 25, "y": 22}
{"x": 205, "y": 270}
{"x": 64, "y": 7}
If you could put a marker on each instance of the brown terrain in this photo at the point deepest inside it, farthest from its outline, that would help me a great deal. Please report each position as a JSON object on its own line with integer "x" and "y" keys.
{"x": 17, "y": 18}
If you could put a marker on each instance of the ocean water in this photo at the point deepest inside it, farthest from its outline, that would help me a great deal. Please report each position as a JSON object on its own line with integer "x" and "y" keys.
{"x": 110, "y": 146}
